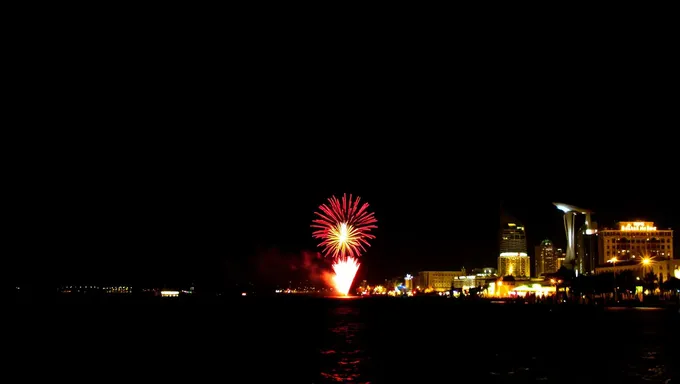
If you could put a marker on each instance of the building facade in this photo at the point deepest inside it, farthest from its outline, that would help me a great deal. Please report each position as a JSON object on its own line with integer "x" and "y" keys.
{"x": 545, "y": 258}
{"x": 439, "y": 281}
{"x": 664, "y": 269}
{"x": 514, "y": 264}
{"x": 633, "y": 240}
{"x": 560, "y": 256}
{"x": 587, "y": 248}
{"x": 513, "y": 238}
{"x": 513, "y": 259}
{"x": 465, "y": 283}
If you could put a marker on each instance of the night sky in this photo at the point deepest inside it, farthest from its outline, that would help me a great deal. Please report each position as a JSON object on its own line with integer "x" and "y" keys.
{"x": 171, "y": 175}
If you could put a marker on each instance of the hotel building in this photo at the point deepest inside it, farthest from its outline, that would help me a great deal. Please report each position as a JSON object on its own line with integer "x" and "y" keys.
{"x": 513, "y": 259}
{"x": 633, "y": 240}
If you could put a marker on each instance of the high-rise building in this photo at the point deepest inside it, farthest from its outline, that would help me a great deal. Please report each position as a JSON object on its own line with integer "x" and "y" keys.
{"x": 560, "y": 256}
{"x": 587, "y": 248}
{"x": 513, "y": 238}
{"x": 570, "y": 213}
{"x": 546, "y": 258}
{"x": 513, "y": 259}
{"x": 635, "y": 240}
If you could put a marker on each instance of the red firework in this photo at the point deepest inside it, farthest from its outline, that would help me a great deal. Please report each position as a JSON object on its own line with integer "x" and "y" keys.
{"x": 344, "y": 227}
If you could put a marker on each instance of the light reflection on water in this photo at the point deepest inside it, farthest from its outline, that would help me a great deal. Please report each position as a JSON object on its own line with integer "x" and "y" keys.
{"x": 343, "y": 352}
{"x": 363, "y": 344}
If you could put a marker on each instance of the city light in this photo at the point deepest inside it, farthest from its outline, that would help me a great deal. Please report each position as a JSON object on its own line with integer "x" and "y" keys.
{"x": 169, "y": 293}
{"x": 638, "y": 226}
{"x": 506, "y": 254}
{"x": 408, "y": 277}
{"x": 646, "y": 261}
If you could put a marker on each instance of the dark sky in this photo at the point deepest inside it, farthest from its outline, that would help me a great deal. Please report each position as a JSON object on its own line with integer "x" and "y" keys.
{"x": 173, "y": 165}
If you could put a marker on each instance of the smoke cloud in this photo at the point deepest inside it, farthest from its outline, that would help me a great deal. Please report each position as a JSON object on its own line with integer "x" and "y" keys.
{"x": 276, "y": 267}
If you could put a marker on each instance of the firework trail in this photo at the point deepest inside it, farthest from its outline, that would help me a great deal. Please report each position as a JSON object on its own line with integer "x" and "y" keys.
{"x": 344, "y": 227}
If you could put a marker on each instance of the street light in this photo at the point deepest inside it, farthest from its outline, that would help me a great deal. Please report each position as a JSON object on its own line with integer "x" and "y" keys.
{"x": 645, "y": 262}
{"x": 613, "y": 260}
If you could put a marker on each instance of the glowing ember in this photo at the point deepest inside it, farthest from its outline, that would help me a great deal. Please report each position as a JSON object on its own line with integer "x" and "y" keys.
{"x": 345, "y": 270}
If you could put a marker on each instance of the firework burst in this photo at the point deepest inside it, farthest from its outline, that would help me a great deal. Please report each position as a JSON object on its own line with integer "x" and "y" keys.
{"x": 344, "y": 227}
{"x": 345, "y": 270}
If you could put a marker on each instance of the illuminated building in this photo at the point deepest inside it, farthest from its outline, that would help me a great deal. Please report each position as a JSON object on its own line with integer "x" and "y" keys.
{"x": 635, "y": 240}
{"x": 546, "y": 258}
{"x": 587, "y": 248}
{"x": 408, "y": 281}
{"x": 664, "y": 269}
{"x": 513, "y": 259}
{"x": 570, "y": 213}
{"x": 169, "y": 293}
{"x": 521, "y": 288}
{"x": 517, "y": 264}
{"x": 473, "y": 281}
{"x": 560, "y": 255}
{"x": 513, "y": 238}
{"x": 439, "y": 281}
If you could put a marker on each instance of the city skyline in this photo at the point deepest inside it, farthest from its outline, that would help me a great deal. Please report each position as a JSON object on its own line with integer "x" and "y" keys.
{"x": 214, "y": 219}
{"x": 273, "y": 237}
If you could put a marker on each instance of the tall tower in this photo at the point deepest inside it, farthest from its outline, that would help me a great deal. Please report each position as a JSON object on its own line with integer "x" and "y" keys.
{"x": 513, "y": 259}
{"x": 587, "y": 247}
{"x": 546, "y": 258}
{"x": 570, "y": 213}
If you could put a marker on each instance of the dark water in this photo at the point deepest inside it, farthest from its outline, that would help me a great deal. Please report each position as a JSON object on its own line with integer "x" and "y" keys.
{"x": 315, "y": 340}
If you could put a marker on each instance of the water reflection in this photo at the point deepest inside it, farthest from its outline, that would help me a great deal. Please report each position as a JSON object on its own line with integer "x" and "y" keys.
{"x": 392, "y": 342}
{"x": 343, "y": 356}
